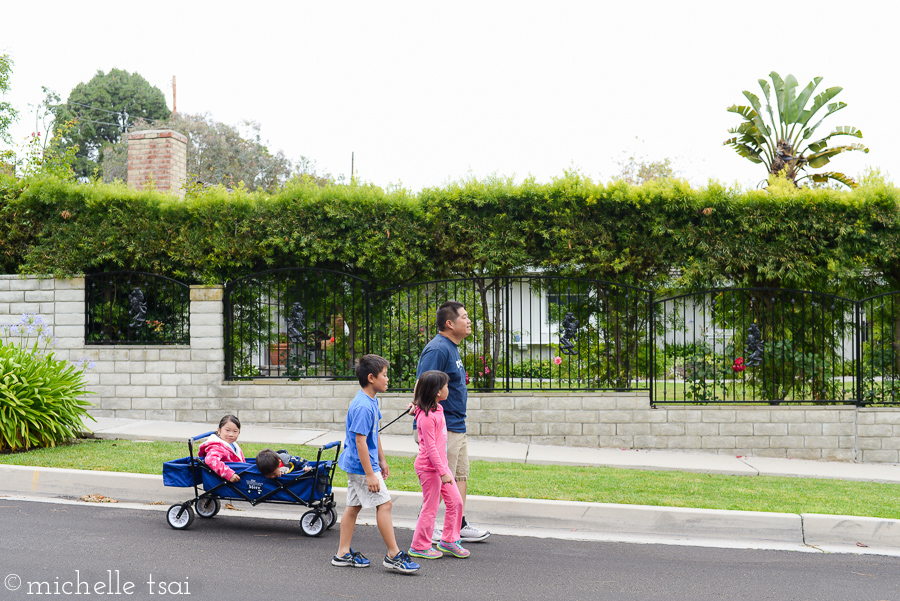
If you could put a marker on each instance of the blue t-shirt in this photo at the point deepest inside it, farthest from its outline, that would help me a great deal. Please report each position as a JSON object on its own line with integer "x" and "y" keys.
{"x": 443, "y": 355}
{"x": 362, "y": 418}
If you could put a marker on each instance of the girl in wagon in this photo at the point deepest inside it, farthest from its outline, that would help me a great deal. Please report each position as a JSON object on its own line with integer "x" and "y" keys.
{"x": 222, "y": 446}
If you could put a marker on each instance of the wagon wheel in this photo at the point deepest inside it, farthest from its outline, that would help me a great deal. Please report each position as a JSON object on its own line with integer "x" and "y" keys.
{"x": 312, "y": 523}
{"x": 207, "y": 507}
{"x": 182, "y": 521}
{"x": 331, "y": 517}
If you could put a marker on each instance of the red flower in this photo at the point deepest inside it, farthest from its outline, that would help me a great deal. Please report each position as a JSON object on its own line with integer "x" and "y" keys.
{"x": 738, "y": 365}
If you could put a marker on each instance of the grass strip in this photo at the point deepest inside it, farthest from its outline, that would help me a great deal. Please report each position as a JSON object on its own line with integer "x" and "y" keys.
{"x": 565, "y": 483}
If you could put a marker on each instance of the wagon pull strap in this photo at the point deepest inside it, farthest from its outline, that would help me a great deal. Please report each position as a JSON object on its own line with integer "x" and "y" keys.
{"x": 405, "y": 412}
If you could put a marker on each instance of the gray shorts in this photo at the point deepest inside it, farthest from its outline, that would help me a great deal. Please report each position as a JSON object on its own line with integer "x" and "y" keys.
{"x": 358, "y": 493}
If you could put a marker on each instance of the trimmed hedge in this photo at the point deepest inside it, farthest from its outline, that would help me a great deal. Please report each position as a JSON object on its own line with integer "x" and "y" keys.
{"x": 826, "y": 240}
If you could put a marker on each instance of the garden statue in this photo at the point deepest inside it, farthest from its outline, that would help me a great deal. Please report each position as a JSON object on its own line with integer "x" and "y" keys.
{"x": 754, "y": 348}
{"x": 570, "y": 333}
{"x": 138, "y": 308}
{"x": 296, "y": 323}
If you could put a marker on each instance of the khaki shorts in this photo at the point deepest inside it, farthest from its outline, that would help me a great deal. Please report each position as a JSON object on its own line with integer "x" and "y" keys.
{"x": 358, "y": 493}
{"x": 458, "y": 455}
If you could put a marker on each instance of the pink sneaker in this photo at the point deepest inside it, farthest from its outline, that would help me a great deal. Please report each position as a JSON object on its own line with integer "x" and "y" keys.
{"x": 429, "y": 553}
{"x": 454, "y": 549}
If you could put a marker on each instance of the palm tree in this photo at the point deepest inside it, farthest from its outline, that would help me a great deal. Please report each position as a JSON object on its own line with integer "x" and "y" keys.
{"x": 786, "y": 145}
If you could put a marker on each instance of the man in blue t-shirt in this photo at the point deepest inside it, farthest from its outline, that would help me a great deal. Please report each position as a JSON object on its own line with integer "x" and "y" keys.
{"x": 442, "y": 354}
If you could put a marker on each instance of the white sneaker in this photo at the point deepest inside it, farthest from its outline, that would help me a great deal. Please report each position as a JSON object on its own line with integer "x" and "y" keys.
{"x": 436, "y": 537}
{"x": 470, "y": 534}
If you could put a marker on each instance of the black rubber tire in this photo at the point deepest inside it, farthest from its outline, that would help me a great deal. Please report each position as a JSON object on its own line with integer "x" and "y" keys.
{"x": 183, "y": 522}
{"x": 312, "y": 523}
{"x": 330, "y": 518}
{"x": 207, "y": 507}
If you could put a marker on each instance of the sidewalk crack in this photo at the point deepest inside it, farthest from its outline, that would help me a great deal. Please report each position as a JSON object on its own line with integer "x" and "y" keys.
{"x": 745, "y": 462}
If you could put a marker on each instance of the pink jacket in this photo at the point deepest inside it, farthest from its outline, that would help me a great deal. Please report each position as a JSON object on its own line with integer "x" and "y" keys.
{"x": 215, "y": 450}
{"x": 432, "y": 429}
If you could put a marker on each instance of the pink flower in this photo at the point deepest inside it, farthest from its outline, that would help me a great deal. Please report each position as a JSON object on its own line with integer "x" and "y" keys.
{"x": 487, "y": 370}
{"x": 557, "y": 360}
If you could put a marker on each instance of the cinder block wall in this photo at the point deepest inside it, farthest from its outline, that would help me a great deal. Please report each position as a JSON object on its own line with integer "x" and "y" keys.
{"x": 186, "y": 383}
{"x": 160, "y": 156}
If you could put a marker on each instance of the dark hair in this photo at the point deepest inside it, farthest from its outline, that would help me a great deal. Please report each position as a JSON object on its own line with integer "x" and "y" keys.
{"x": 449, "y": 310}
{"x": 370, "y": 364}
{"x": 427, "y": 389}
{"x": 267, "y": 461}
{"x": 229, "y": 418}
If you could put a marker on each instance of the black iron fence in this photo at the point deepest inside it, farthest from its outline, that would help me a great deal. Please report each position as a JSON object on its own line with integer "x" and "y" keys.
{"x": 756, "y": 344}
{"x": 297, "y": 323}
{"x": 529, "y": 333}
{"x": 728, "y": 345}
{"x": 774, "y": 346}
{"x": 129, "y": 307}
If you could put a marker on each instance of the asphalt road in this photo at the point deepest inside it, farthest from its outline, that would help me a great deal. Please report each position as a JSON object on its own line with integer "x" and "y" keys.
{"x": 67, "y": 548}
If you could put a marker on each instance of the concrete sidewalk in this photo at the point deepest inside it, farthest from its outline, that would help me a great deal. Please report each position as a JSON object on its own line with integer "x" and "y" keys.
{"x": 504, "y": 516}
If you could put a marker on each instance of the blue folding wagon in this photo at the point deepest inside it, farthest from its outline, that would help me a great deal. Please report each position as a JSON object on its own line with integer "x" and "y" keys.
{"x": 311, "y": 489}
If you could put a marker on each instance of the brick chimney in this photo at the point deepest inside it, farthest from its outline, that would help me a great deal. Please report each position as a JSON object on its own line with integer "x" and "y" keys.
{"x": 159, "y": 155}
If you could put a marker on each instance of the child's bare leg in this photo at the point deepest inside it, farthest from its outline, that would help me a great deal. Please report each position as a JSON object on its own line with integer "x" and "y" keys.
{"x": 348, "y": 523}
{"x": 386, "y": 527}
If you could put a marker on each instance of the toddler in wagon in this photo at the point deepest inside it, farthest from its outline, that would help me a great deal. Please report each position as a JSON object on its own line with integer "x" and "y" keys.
{"x": 272, "y": 464}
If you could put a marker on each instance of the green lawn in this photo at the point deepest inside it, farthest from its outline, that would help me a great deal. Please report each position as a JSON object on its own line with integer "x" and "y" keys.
{"x": 593, "y": 484}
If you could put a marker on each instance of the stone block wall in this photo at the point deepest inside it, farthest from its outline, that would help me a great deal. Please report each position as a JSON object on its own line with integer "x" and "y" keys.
{"x": 186, "y": 383}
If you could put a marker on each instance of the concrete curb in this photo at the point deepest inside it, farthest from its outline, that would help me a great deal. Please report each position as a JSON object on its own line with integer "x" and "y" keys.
{"x": 838, "y": 532}
{"x": 531, "y": 517}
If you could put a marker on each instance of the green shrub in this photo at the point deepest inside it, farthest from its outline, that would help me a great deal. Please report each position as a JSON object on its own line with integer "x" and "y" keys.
{"x": 41, "y": 398}
{"x": 532, "y": 368}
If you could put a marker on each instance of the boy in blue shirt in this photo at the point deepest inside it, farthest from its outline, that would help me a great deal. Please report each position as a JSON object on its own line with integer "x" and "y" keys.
{"x": 366, "y": 466}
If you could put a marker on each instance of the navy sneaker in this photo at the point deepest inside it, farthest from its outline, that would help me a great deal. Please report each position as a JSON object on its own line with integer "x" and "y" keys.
{"x": 401, "y": 563}
{"x": 353, "y": 559}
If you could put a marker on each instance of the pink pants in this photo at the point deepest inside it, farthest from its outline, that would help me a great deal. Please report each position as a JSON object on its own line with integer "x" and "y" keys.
{"x": 432, "y": 493}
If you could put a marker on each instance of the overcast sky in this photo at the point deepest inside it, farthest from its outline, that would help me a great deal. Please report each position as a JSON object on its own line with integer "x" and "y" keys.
{"x": 425, "y": 93}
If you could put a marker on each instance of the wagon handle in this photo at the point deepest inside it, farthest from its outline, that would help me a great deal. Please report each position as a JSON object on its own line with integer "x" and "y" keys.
{"x": 331, "y": 445}
{"x": 405, "y": 412}
{"x": 191, "y": 451}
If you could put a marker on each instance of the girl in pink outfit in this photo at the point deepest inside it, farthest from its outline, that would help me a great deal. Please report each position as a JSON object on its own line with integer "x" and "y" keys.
{"x": 434, "y": 475}
{"x": 222, "y": 446}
